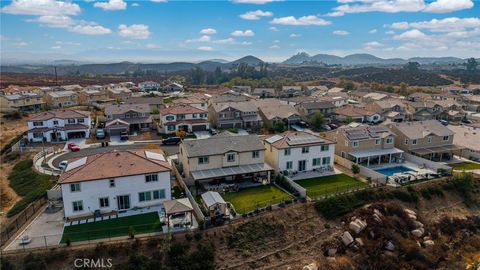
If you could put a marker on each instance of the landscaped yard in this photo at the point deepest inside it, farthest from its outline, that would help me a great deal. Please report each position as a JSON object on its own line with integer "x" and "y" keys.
{"x": 250, "y": 199}
{"x": 329, "y": 184}
{"x": 467, "y": 166}
{"x": 144, "y": 223}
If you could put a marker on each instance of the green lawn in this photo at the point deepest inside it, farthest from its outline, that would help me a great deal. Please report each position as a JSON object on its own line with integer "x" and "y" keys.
{"x": 467, "y": 166}
{"x": 249, "y": 199}
{"x": 144, "y": 223}
{"x": 329, "y": 184}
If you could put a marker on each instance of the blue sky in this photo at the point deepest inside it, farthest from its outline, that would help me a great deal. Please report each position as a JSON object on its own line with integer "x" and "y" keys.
{"x": 165, "y": 31}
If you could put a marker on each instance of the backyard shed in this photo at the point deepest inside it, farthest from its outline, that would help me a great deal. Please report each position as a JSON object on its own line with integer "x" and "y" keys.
{"x": 214, "y": 203}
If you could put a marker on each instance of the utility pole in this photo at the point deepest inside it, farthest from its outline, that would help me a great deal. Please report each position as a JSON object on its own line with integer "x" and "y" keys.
{"x": 56, "y": 77}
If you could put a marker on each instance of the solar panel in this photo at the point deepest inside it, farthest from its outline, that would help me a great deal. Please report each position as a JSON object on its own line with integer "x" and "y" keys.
{"x": 76, "y": 164}
{"x": 274, "y": 139}
{"x": 304, "y": 140}
{"x": 155, "y": 156}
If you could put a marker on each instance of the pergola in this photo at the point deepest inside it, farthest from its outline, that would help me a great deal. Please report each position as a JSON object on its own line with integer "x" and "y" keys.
{"x": 373, "y": 153}
{"x": 229, "y": 171}
{"x": 431, "y": 151}
{"x": 176, "y": 207}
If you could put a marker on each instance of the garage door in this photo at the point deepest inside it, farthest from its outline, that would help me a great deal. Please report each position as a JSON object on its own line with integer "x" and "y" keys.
{"x": 116, "y": 131}
{"x": 199, "y": 128}
{"x": 76, "y": 134}
{"x": 226, "y": 125}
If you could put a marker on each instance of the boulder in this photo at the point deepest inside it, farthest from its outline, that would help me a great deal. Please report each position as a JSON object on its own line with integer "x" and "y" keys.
{"x": 331, "y": 252}
{"x": 331, "y": 259}
{"x": 359, "y": 241}
{"x": 347, "y": 238}
{"x": 417, "y": 224}
{"x": 411, "y": 214}
{"x": 428, "y": 243}
{"x": 377, "y": 218}
{"x": 357, "y": 225}
{"x": 312, "y": 266}
{"x": 417, "y": 232}
{"x": 390, "y": 246}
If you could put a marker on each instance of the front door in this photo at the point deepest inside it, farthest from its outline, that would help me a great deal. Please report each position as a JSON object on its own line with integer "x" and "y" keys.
{"x": 123, "y": 202}
{"x": 302, "y": 164}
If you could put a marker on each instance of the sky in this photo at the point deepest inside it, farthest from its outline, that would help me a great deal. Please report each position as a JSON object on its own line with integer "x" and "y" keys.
{"x": 273, "y": 30}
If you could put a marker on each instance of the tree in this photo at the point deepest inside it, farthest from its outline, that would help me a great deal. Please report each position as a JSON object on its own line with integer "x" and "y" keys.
{"x": 355, "y": 169}
{"x": 317, "y": 120}
{"x": 403, "y": 89}
{"x": 472, "y": 65}
{"x": 279, "y": 127}
{"x": 412, "y": 66}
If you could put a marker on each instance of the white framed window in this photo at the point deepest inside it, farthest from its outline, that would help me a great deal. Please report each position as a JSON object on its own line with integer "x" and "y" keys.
{"x": 414, "y": 142}
{"x": 194, "y": 115}
{"x": 305, "y": 150}
{"x": 37, "y": 123}
{"x": 256, "y": 154}
{"x": 203, "y": 160}
{"x": 81, "y": 120}
{"x": 71, "y": 121}
{"x": 77, "y": 206}
{"x": 355, "y": 143}
{"x": 134, "y": 115}
{"x": 287, "y": 152}
{"x": 346, "y": 143}
{"x": 55, "y": 122}
{"x": 289, "y": 165}
{"x": 326, "y": 160}
{"x": 377, "y": 141}
{"x": 181, "y": 116}
{"x": 144, "y": 196}
{"x": 111, "y": 182}
{"x": 38, "y": 135}
{"x": 170, "y": 117}
{"x": 316, "y": 162}
{"x": 445, "y": 138}
{"x": 230, "y": 157}
{"x": 171, "y": 127}
{"x": 151, "y": 178}
{"x": 104, "y": 202}
{"x": 159, "y": 194}
{"x": 75, "y": 187}
{"x": 325, "y": 147}
{"x": 389, "y": 141}
{"x": 429, "y": 139}
{"x": 127, "y": 115}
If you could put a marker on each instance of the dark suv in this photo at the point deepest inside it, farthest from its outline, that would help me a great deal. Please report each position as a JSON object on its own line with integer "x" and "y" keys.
{"x": 172, "y": 140}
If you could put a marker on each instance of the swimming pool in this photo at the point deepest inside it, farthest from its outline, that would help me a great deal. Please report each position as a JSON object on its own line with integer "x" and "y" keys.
{"x": 393, "y": 170}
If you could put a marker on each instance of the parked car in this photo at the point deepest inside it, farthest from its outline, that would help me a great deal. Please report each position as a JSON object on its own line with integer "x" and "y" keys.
{"x": 63, "y": 165}
{"x": 124, "y": 136}
{"x": 333, "y": 126}
{"x": 444, "y": 122}
{"x": 73, "y": 147}
{"x": 100, "y": 133}
{"x": 466, "y": 121}
{"x": 326, "y": 127}
{"x": 172, "y": 140}
{"x": 303, "y": 124}
{"x": 213, "y": 131}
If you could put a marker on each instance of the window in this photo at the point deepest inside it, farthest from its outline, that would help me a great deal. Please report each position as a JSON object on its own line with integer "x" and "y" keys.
{"x": 377, "y": 141}
{"x": 237, "y": 114}
{"x": 445, "y": 138}
{"x": 37, "y": 124}
{"x": 38, "y": 135}
{"x": 144, "y": 196}
{"x": 81, "y": 120}
{"x": 326, "y": 160}
{"x": 112, "y": 182}
{"x": 256, "y": 154}
{"x": 316, "y": 162}
{"x": 127, "y": 115}
{"x": 170, "y": 117}
{"x": 203, "y": 160}
{"x": 181, "y": 116}
{"x": 71, "y": 121}
{"x": 406, "y": 141}
{"x": 194, "y": 115}
{"x": 287, "y": 152}
{"x": 171, "y": 127}
{"x": 429, "y": 139}
{"x": 75, "y": 187}
{"x": 222, "y": 115}
{"x": 151, "y": 178}
{"x": 134, "y": 115}
{"x": 346, "y": 143}
{"x": 324, "y": 148}
{"x": 77, "y": 206}
{"x": 289, "y": 165}
{"x": 55, "y": 122}
{"x": 414, "y": 142}
{"x": 305, "y": 150}
{"x": 389, "y": 140}
{"x": 231, "y": 157}
{"x": 159, "y": 194}
{"x": 104, "y": 202}
{"x": 355, "y": 144}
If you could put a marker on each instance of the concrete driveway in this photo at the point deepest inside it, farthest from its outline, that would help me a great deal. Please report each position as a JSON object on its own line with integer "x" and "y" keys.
{"x": 202, "y": 134}
{"x": 79, "y": 141}
{"x": 115, "y": 140}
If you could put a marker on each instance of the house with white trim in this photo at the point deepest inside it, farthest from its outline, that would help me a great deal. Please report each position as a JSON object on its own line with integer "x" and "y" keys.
{"x": 183, "y": 117}
{"x": 58, "y": 125}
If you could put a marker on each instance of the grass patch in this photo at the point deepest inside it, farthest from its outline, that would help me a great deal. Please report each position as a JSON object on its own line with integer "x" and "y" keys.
{"x": 144, "y": 223}
{"x": 28, "y": 184}
{"x": 249, "y": 199}
{"x": 321, "y": 186}
{"x": 465, "y": 166}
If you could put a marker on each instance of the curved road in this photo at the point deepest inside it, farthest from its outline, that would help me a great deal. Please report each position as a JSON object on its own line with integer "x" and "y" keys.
{"x": 169, "y": 149}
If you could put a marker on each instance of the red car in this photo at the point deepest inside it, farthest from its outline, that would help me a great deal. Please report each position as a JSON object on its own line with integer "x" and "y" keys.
{"x": 73, "y": 147}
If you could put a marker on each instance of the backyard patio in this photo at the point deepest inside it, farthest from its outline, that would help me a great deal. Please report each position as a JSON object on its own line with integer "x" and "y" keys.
{"x": 321, "y": 186}
{"x": 249, "y": 199}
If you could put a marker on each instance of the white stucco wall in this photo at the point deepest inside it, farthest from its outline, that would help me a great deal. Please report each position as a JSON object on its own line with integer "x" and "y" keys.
{"x": 297, "y": 155}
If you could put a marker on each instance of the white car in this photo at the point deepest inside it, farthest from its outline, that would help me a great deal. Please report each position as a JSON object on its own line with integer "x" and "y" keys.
{"x": 63, "y": 165}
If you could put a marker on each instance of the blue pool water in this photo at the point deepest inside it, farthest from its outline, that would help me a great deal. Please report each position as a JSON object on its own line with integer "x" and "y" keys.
{"x": 393, "y": 170}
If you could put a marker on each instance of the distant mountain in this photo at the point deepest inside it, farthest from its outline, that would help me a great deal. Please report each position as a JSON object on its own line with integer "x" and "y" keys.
{"x": 249, "y": 60}
{"x": 366, "y": 59}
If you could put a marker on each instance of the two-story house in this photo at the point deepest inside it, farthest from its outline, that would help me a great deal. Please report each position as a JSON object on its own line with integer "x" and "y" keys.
{"x": 25, "y": 102}
{"x": 298, "y": 151}
{"x": 197, "y": 101}
{"x": 308, "y": 109}
{"x": 62, "y": 99}
{"x": 428, "y": 139}
{"x": 291, "y": 91}
{"x": 273, "y": 111}
{"x": 58, "y": 125}
{"x": 423, "y": 110}
{"x": 114, "y": 182}
{"x": 356, "y": 114}
{"x": 242, "y": 89}
{"x": 127, "y": 117}
{"x": 224, "y": 158}
{"x": 149, "y": 86}
{"x": 173, "y": 87}
{"x": 392, "y": 109}
{"x": 183, "y": 117}
{"x": 264, "y": 92}
{"x": 242, "y": 114}
{"x": 94, "y": 96}
{"x": 365, "y": 145}
{"x": 119, "y": 93}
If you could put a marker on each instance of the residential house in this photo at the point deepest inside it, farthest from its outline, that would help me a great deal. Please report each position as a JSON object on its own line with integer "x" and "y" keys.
{"x": 229, "y": 96}
{"x": 264, "y": 92}
{"x": 224, "y": 159}
{"x": 356, "y": 114}
{"x": 149, "y": 86}
{"x": 419, "y": 96}
{"x": 335, "y": 90}
{"x": 119, "y": 94}
{"x": 274, "y": 111}
{"x": 317, "y": 89}
{"x": 457, "y": 90}
{"x": 24, "y": 102}
{"x": 242, "y": 89}
{"x": 58, "y": 125}
{"x": 241, "y": 114}
{"x": 296, "y": 100}
{"x": 427, "y": 139}
{"x": 127, "y": 117}
{"x": 72, "y": 87}
{"x": 474, "y": 89}
{"x": 308, "y": 109}
{"x": 291, "y": 91}
{"x": 368, "y": 95}
{"x": 174, "y": 87}
{"x": 155, "y": 103}
{"x": 392, "y": 109}
{"x": 423, "y": 110}
{"x": 298, "y": 151}
{"x": 62, "y": 99}
{"x": 366, "y": 145}
{"x": 468, "y": 140}
{"x": 183, "y": 117}
{"x": 451, "y": 110}
{"x": 472, "y": 103}
{"x": 114, "y": 182}
{"x": 447, "y": 96}
{"x": 338, "y": 100}
{"x": 197, "y": 101}
{"x": 94, "y": 96}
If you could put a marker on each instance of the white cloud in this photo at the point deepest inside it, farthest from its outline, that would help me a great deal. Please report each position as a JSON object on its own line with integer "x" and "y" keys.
{"x": 276, "y": 41}
{"x": 305, "y": 20}
{"x": 111, "y": 5}
{"x": 372, "y": 45}
{"x": 240, "y": 33}
{"x": 203, "y": 38}
{"x": 41, "y": 7}
{"x": 442, "y": 25}
{"x": 54, "y": 21}
{"x": 56, "y": 47}
{"x": 341, "y": 33}
{"x": 90, "y": 29}
{"x": 208, "y": 31}
{"x": 293, "y": 35}
{"x": 80, "y": 27}
{"x": 135, "y": 4}
{"x": 224, "y": 41}
{"x": 255, "y": 2}
{"x": 246, "y": 43}
{"x": 446, "y": 6}
{"x": 275, "y": 46}
{"x": 390, "y": 32}
{"x": 151, "y": 46}
{"x": 134, "y": 31}
{"x": 373, "y": 31}
{"x": 273, "y": 28}
{"x": 205, "y": 48}
{"x": 411, "y": 34}
{"x": 20, "y": 44}
{"x": 256, "y": 15}
{"x": 58, "y": 42}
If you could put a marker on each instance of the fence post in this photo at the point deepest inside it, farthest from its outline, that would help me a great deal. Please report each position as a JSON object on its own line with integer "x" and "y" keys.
{"x": 45, "y": 239}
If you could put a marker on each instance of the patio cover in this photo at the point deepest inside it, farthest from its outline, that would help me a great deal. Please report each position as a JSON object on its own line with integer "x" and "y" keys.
{"x": 221, "y": 172}
{"x": 211, "y": 198}
{"x": 177, "y": 206}
{"x": 375, "y": 152}
{"x": 437, "y": 149}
